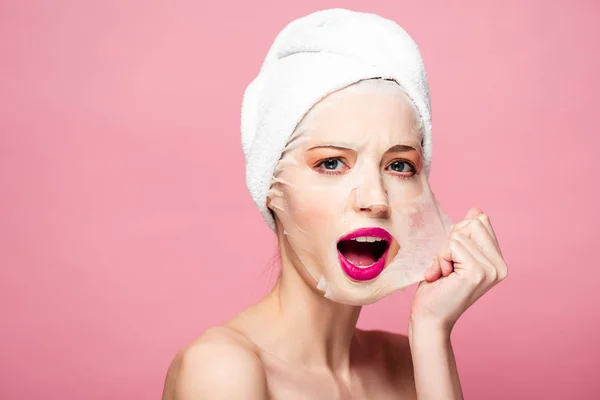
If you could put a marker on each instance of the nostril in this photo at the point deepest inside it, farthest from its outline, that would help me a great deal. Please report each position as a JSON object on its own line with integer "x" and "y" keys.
{"x": 380, "y": 208}
{"x": 373, "y": 200}
{"x": 376, "y": 208}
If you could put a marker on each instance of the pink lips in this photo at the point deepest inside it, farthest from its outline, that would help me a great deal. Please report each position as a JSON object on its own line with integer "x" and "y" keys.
{"x": 373, "y": 270}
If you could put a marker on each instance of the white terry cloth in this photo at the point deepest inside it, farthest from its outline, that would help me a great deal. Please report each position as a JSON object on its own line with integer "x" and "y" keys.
{"x": 310, "y": 58}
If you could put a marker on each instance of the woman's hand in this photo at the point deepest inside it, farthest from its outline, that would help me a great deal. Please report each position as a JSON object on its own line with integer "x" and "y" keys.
{"x": 469, "y": 265}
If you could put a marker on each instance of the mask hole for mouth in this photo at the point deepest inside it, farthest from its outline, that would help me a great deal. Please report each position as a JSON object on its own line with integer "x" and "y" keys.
{"x": 362, "y": 254}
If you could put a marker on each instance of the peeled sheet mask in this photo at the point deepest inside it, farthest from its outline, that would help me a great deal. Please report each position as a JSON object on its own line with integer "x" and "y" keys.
{"x": 352, "y": 199}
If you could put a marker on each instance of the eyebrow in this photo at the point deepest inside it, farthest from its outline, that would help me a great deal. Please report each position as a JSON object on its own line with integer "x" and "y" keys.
{"x": 400, "y": 148}
{"x": 330, "y": 146}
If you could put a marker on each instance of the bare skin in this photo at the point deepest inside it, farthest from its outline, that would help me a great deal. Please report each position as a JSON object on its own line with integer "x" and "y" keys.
{"x": 297, "y": 344}
{"x": 293, "y": 344}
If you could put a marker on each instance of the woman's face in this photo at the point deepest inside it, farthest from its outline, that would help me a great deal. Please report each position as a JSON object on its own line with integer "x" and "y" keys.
{"x": 350, "y": 194}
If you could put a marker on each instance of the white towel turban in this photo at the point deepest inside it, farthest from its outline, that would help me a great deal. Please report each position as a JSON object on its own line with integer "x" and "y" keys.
{"x": 312, "y": 57}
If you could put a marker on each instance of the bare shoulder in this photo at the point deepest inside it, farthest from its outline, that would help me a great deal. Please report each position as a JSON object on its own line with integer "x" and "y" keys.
{"x": 220, "y": 364}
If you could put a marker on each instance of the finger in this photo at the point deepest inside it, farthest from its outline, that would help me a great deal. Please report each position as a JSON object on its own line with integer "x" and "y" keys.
{"x": 484, "y": 265}
{"x": 485, "y": 246}
{"x": 459, "y": 226}
{"x": 475, "y": 226}
{"x": 434, "y": 272}
{"x": 479, "y": 234}
{"x": 449, "y": 253}
{"x": 462, "y": 226}
{"x": 455, "y": 254}
{"x": 473, "y": 213}
{"x": 485, "y": 220}
{"x": 446, "y": 261}
{"x": 446, "y": 267}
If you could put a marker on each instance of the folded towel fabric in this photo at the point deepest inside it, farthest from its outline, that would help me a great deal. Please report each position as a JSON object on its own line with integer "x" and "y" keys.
{"x": 310, "y": 58}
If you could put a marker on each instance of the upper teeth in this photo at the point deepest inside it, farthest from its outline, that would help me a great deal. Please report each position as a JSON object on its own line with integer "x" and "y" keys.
{"x": 367, "y": 239}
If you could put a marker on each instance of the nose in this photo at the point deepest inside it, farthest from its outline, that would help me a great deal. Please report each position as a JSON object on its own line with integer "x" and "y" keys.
{"x": 371, "y": 199}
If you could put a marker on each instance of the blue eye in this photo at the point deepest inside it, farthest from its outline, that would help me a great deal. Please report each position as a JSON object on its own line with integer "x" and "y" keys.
{"x": 401, "y": 166}
{"x": 331, "y": 164}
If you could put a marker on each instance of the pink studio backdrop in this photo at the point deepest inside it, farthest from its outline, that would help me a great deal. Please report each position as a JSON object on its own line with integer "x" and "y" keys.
{"x": 126, "y": 228}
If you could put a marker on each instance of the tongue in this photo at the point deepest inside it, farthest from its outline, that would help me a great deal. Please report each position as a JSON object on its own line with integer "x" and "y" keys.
{"x": 358, "y": 253}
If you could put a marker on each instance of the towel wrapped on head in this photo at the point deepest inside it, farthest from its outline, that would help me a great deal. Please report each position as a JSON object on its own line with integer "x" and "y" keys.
{"x": 312, "y": 57}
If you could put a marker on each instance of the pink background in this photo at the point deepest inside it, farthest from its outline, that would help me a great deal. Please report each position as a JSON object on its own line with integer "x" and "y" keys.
{"x": 126, "y": 228}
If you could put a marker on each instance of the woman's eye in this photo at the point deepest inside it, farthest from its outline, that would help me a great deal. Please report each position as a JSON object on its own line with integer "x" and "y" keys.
{"x": 331, "y": 164}
{"x": 401, "y": 166}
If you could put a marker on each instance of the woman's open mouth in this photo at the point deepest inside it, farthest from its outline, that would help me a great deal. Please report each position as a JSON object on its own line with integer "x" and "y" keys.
{"x": 362, "y": 253}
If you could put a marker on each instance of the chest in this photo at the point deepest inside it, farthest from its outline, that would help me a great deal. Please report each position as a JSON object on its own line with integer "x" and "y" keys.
{"x": 286, "y": 383}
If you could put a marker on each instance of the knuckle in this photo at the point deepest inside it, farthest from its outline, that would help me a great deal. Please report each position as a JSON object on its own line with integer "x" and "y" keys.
{"x": 478, "y": 277}
{"x": 493, "y": 274}
{"x": 456, "y": 227}
{"x": 478, "y": 224}
{"x": 454, "y": 240}
{"x": 502, "y": 272}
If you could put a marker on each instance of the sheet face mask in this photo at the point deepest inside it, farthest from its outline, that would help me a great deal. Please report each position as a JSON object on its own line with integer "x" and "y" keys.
{"x": 352, "y": 199}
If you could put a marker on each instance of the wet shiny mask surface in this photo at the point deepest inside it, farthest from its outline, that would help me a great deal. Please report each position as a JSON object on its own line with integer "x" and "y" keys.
{"x": 352, "y": 197}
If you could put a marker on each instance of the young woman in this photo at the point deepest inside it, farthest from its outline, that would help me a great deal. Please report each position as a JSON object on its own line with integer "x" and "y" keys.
{"x": 348, "y": 197}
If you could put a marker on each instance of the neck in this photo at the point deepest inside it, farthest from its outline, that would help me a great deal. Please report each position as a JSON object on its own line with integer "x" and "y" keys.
{"x": 312, "y": 329}
{"x": 298, "y": 325}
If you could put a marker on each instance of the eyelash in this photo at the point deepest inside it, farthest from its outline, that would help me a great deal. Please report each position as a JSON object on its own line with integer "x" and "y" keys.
{"x": 318, "y": 166}
{"x": 412, "y": 167}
